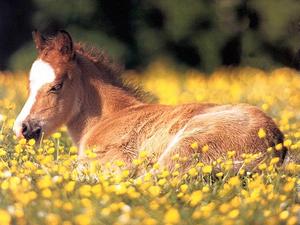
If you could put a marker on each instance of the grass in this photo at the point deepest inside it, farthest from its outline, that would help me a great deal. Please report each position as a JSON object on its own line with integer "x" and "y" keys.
{"x": 41, "y": 184}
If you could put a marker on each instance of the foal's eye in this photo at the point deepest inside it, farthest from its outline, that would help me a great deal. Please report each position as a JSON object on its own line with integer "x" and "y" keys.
{"x": 56, "y": 88}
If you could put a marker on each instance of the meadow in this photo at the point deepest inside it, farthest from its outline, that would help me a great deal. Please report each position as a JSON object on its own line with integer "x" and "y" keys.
{"x": 41, "y": 184}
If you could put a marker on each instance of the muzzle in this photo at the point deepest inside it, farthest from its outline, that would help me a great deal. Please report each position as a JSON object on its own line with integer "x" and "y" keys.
{"x": 31, "y": 129}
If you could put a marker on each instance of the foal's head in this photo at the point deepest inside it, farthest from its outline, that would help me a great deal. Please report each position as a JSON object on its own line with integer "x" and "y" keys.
{"x": 53, "y": 87}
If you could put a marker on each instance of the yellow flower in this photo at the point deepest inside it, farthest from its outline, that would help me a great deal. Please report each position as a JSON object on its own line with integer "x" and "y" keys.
{"x": 175, "y": 157}
{"x": 67, "y": 206}
{"x": 172, "y": 216}
{"x": 193, "y": 172}
{"x": 274, "y": 160}
{"x": 46, "y": 193}
{"x": 287, "y": 143}
{"x": 199, "y": 164}
{"x": 119, "y": 163}
{"x": 31, "y": 142}
{"x": 67, "y": 223}
{"x": 184, "y": 188}
{"x": 137, "y": 162}
{"x": 205, "y": 189}
{"x": 56, "y": 135}
{"x": 265, "y": 107}
{"x": 44, "y": 182}
{"x": 291, "y": 167}
{"x": 233, "y": 214}
{"x": 69, "y": 187}
{"x": 147, "y": 176}
{"x": 267, "y": 213}
{"x": 205, "y": 148}
{"x": 278, "y": 147}
{"x": 220, "y": 174}
{"x": 234, "y": 181}
{"x": 207, "y": 169}
{"x": 165, "y": 173}
{"x": 177, "y": 166}
{"x": 284, "y": 215}
{"x": 97, "y": 190}
{"x": 262, "y": 166}
{"x": 149, "y": 221}
{"x": 2, "y": 152}
{"x": 289, "y": 186}
{"x": 51, "y": 150}
{"x": 155, "y": 166}
{"x": 292, "y": 220}
{"x": 196, "y": 197}
{"x": 224, "y": 208}
{"x": 162, "y": 181}
{"x": 57, "y": 203}
{"x": 73, "y": 149}
{"x": 85, "y": 190}
{"x": 242, "y": 172}
{"x": 143, "y": 154}
{"x": 53, "y": 219}
{"x": 120, "y": 189}
{"x": 5, "y": 218}
{"x": 194, "y": 145}
{"x": 230, "y": 154}
{"x": 22, "y": 141}
{"x": 83, "y": 219}
{"x": 154, "y": 191}
{"x": 154, "y": 205}
{"x": 261, "y": 133}
{"x": 86, "y": 203}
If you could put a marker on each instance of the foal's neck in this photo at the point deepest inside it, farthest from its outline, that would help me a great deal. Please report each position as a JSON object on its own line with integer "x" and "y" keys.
{"x": 99, "y": 100}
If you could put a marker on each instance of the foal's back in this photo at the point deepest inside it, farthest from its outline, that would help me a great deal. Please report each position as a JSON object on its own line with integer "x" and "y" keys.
{"x": 167, "y": 130}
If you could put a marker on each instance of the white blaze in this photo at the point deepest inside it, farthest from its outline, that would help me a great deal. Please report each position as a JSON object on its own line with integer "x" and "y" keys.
{"x": 41, "y": 73}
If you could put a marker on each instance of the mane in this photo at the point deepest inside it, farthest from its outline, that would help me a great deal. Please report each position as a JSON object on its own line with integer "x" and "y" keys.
{"x": 112, "y": 72}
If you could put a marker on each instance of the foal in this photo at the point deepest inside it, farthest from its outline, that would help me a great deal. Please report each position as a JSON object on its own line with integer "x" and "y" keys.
{"x": 71, "y": 85}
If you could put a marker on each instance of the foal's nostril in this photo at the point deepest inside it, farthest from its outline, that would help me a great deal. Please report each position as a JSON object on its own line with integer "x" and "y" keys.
{"x": 31, "y": 130}
{"x": 36, "y": 132}
{"x": 25, "y": 128}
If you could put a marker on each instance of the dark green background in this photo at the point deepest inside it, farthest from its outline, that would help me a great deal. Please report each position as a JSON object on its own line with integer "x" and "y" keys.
{"x": 203, "y": 34}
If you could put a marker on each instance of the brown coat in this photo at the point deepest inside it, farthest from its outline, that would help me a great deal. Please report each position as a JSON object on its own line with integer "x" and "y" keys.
{"x": 101, "y": 112}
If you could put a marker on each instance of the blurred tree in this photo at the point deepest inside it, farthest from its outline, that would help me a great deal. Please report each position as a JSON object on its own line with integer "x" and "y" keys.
{"x": 14, "y": 27}
{"x": 203, "y": 34}
{"x": 272, "y": 37}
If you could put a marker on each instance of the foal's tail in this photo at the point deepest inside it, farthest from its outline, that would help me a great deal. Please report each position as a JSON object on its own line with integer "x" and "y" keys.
{"x": 283, "y": 155}
{"x": 279, "y": 139}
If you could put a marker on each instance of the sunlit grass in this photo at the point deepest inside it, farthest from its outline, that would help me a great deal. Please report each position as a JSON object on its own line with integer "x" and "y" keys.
{"x": 40, "y": 183}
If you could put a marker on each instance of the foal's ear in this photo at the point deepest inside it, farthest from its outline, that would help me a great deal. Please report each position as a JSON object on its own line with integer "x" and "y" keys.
{"x": 39, "y": 40}
{"x": 64, "y": 44}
